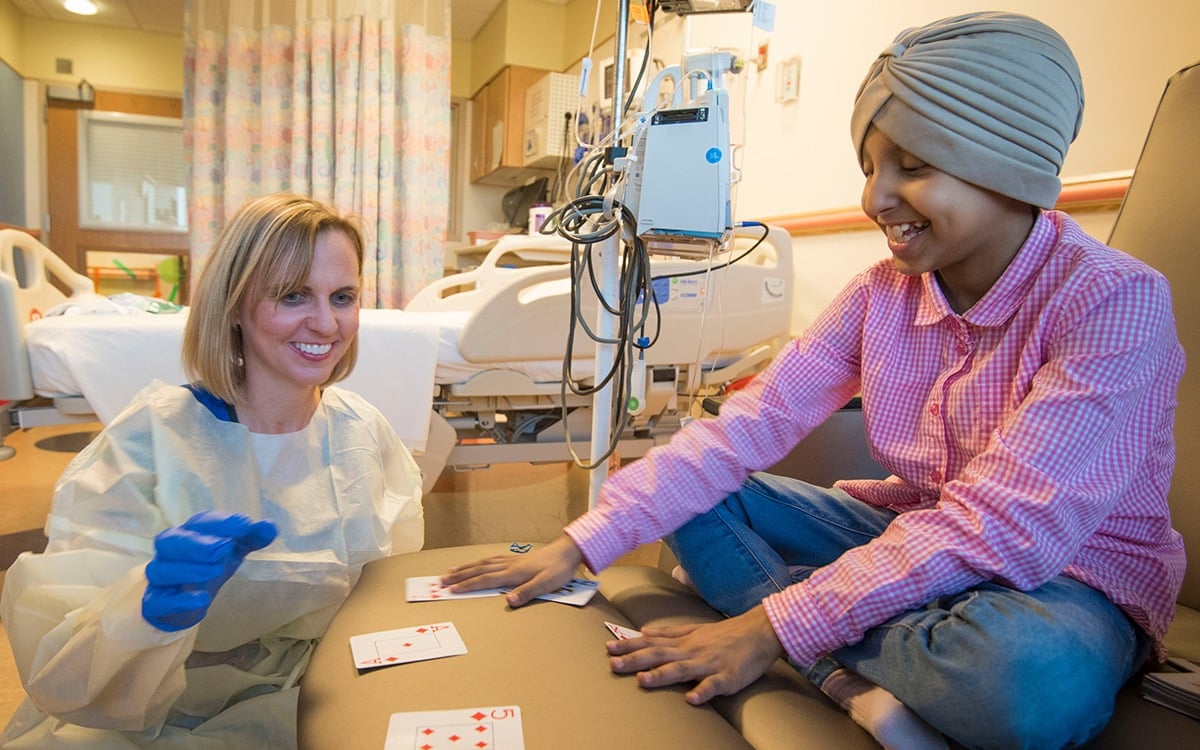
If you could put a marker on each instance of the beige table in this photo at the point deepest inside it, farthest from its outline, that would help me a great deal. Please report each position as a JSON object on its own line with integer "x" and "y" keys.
{"x": 548, "y": 658}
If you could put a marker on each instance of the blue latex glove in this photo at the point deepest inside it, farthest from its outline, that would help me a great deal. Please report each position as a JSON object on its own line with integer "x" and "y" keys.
{"x": 191, "y": 563}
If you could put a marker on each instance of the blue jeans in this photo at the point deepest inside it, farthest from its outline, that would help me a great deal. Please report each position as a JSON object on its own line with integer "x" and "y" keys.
{"x": 988, "y": 667}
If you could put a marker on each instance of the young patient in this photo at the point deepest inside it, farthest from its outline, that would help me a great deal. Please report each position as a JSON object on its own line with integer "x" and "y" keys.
{"x": 1018, "y": 380}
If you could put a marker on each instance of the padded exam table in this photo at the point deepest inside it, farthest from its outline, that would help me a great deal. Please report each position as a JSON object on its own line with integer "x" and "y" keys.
{"x": 546, "y": 657}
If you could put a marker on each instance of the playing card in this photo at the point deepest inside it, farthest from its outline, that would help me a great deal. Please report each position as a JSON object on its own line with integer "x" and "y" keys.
{"x": 488, "y": 728}
{"x": 577, "y": 592}
{"x": 388, "y": 647}
{"x": 621, "y": 632}
{"x": 430, "y": 589}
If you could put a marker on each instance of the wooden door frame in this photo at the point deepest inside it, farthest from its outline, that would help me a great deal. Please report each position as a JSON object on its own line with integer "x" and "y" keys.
{"x": 64, "y": 236}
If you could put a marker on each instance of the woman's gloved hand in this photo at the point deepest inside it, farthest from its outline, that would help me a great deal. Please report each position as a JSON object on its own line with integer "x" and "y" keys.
{"x": 191, "y": 563}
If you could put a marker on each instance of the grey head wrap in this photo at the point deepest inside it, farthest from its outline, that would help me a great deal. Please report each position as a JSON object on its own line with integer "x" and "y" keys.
{"x": 993, "y": 99}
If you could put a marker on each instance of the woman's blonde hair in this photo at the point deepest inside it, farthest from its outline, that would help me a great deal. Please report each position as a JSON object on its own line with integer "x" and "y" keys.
{"x": 265, "y": 249}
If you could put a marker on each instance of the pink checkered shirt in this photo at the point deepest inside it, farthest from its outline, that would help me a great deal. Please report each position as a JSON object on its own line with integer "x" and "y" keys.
{"x": 1027, "y": 438}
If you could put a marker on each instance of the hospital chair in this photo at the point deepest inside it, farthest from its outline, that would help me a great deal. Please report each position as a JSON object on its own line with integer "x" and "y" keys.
{"x": 1156, "y": 225}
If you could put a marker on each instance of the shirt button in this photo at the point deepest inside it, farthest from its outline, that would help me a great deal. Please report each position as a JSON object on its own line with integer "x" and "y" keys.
{"x": 935, "y": 476}
{"x": 934, "y": 410}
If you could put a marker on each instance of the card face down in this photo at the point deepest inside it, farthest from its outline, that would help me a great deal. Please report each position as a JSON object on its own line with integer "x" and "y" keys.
{"x": 431, "y": 589}
{"x": 403, "y": 645}
{"x": 577, "y": 592}
{"x": 486, "y": 728}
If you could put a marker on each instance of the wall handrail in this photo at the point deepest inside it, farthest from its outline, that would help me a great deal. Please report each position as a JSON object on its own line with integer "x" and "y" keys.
{"x": 1098, "y": 194}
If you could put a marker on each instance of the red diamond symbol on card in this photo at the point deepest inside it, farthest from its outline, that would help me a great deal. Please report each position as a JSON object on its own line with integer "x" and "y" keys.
{"x": 478, "y": 715}
{"x": 481, "y": 744}
{"x": 390, "y": 658}
{"x": 426, "y": 731}
{"x": 422, "y": 630}
{"x": 455, "y": 738}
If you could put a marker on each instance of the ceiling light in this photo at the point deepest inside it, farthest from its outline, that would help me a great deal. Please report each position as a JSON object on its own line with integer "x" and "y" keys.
{"x": 82, "y": 7}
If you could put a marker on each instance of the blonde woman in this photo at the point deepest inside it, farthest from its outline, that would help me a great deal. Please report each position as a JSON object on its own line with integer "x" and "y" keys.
{"x": 199, "y": 547}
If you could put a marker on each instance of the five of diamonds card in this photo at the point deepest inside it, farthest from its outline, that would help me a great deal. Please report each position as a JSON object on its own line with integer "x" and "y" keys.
{"x": 388, "y": 647}
{"x": 490, "y": 728}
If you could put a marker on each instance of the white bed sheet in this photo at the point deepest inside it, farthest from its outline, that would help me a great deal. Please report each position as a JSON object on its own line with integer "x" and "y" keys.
{"x": 108, "y": 358}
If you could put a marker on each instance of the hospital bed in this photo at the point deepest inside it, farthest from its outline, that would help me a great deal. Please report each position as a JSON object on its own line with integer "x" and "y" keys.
{"x": 501, "y": 383}
{"x": 484, "y": 348}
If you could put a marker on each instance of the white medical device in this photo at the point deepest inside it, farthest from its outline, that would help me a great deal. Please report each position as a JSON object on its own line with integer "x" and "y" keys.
{"x": 685, "y": 177}
{"x": 679, "y": 175}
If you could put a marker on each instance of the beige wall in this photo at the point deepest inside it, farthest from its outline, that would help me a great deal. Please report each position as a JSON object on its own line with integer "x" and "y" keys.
{"x": 110, "y": 59}
{"x": 116, "y": 59}
{"x": 581, "y": 18}
{"x": 11, "y": 47}
{"x": 530, "y": 33}
{"x": 460, "y": 69}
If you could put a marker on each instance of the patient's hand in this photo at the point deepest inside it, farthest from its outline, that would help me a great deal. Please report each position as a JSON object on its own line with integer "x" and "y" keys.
{"x": 722, "y": 657}
{"x": 539, "y": 571}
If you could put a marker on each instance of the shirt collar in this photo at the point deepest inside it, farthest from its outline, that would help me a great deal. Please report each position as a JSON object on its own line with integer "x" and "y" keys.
{"x": 1003, "y": 299}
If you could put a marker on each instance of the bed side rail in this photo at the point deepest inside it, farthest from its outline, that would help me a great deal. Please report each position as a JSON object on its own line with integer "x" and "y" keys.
{"x": 524, "y": 313}
{"x": 26, "y": 291}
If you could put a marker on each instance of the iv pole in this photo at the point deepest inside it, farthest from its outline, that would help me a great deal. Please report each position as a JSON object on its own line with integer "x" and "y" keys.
{"x": 606, "y": 322}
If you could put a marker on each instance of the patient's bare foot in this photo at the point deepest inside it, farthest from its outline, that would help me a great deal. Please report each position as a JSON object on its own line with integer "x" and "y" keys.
{"x": 679, "y": 574}
{"x": 894, "y": 725}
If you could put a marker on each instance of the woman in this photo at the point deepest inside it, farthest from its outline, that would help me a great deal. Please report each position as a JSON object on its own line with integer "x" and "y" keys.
{"x": 199, "y": 547}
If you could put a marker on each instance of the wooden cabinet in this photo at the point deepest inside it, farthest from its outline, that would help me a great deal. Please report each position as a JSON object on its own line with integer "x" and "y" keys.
{"x": 498, "y": 129}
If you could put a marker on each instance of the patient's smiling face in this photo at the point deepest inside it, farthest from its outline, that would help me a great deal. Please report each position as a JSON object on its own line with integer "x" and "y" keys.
{"x": 292, "y": 344}
{"x": 935, "y": 222}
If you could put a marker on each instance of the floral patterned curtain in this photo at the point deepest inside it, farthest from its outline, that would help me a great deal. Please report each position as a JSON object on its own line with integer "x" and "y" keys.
{"x": 347, "y": 101}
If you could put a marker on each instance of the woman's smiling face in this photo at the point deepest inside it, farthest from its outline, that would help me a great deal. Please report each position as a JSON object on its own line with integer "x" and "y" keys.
{"x": 294, "y": 342}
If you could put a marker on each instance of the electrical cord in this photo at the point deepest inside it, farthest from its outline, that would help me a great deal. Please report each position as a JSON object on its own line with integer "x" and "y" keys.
{"x": 587, "y": 221}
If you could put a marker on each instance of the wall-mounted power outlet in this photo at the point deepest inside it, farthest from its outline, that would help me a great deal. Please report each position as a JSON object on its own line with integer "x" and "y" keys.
{"x": 788, "y": 80}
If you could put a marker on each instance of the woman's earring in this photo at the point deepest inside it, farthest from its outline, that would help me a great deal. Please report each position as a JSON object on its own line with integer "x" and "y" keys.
{"x": 237, "y": 342}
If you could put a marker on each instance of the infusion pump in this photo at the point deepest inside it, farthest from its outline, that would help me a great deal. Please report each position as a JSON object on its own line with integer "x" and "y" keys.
{"x": 679, "y": 172}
